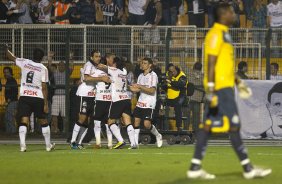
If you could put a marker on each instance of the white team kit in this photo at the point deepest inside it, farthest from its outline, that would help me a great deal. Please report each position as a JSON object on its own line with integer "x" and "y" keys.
{"x": 33, "y": 74}
{"x": 32, "y": 99}
{"x": 150, "y": 80}
{"x": 86, "y": 90}
{"x": 120, "y": 100}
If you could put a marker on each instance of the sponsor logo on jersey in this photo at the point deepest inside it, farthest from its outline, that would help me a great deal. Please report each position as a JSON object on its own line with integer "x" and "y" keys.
{"x": 107, "y": 97}
{"x": 31, "y": 67}
{"x": 91, "y": 93}
{"x": 141, "y": 104}
{"x": 123, "y": 96}
{"x": 30, "y": 93}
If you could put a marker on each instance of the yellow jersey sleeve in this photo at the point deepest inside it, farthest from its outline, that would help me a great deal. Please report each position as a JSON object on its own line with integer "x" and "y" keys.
{"x": 213, "y": 43}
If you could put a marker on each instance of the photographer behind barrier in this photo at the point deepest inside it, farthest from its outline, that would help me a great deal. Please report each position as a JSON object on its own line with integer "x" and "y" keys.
{"x": 176, "y": 83}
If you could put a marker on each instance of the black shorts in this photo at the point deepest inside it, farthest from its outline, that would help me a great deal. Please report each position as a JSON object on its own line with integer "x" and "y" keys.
{"x": 118, "y": 108}
{"x": 28, "y": 105}
{"x": 143, "y": 113}
{"x": 101, "y": 110}
{"x": 86, "y": 105}
{"x": 226, "y": 107}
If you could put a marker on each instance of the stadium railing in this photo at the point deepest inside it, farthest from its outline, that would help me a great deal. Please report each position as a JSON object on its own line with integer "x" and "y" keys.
{"x": 181, "y": 45}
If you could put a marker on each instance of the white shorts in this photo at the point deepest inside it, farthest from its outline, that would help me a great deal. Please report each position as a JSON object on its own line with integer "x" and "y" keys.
{"x": 58, "y": 105}
{"x": 152, "y": 35}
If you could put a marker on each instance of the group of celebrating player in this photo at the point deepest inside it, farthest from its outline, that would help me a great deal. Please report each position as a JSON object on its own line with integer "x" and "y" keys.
{"x": 104, "y": 95}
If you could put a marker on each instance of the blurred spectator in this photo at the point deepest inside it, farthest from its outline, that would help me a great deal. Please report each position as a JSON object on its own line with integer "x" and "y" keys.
{"x": 61, "y": 12}
{"x": 138, "y": 70}
{"x": 44, "y": 8}
{"x": 153, "y": 17}
{"x": 196, "y": 12}
{"x": 274, "y": 13}
{"x": 22, "y": 10}
{"x": 242, "y": 70}
{"x": 84, "y": 12}
{"x": 137, "y": 9}
{"x": 111, "y": 13}
{"x": 58, "y": 101}
{"x": 99, "y": 13}
{"x": 258, "y": 15}
{"x": 211, "y": 4}
{"x": 170, "y": 11}
{"x": 248, "y": 5}
{"x": 34, "y": 11}
{"x": 274, "y": 72}
{"x": 238, "y": 8}
{"x": 196, "y": 77}
{"x": 130, "y": 75}
{"x": 13, "y": 18}
{"x": 11, "y": 99}
{"x": 3, "y": 11}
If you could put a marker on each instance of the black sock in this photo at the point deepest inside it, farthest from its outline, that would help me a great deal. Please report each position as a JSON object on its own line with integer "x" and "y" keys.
{"x": 240, "y": 150}
{"x": 200, "y": 149}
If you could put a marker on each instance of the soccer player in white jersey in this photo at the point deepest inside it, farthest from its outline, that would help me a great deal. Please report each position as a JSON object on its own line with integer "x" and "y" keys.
{"x": 102, "y": 105}
{"x": 86, "y": 94}
{"x": 33, "y": 95}
{"x": 147, "y": 86}
{"x": 121, "y": 103}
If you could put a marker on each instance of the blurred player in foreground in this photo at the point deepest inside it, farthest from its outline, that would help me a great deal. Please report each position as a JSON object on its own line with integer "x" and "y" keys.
{"x": 221, "y": 114}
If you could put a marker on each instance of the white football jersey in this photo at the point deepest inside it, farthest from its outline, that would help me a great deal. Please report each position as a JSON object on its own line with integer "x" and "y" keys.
{"x": 275, "y": 12}
{"x": 145, "y": 100}
{"x": 103, "y": 90}
{"x": 32, "y": 76}
{"x": 87, "y": 89}
{"x": 119, "y": 84}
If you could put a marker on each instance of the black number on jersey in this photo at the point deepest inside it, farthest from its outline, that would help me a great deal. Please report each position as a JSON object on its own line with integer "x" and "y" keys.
{"x": 108, "y": 85}
{"x": 29, "y": 77}
{"x": 124, "y": 87}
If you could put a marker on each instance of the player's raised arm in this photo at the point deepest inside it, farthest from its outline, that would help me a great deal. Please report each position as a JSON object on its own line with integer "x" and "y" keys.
{"x": 10, "y": 55}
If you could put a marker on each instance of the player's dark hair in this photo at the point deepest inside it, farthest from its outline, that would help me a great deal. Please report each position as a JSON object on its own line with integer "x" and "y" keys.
{"x": 176, "y": 67}
{"x": 94, "y": 51}
{"x": 9, "y": 69}
{"x": 220, "y": 9}
{"x": 276, "y": 66}
{"x": 109, "y": 54}
{"x": 242, "y": 64}
{"x": 38, "y": 55}
{"x": 119, "y": 63}
{"x": 277, "y": 88}
{"x": 150, "y": 61}
{"x": 198, "y": 66}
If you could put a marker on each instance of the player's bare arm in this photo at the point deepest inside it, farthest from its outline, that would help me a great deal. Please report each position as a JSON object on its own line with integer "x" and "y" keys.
{"x": 106, "y": 79}
{"x": 10, "y": 55}
{"x": 45, "y": 95}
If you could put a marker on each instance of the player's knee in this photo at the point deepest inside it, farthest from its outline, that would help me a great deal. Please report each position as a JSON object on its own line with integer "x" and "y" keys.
{"x": 22, "y": 124}
{"x": 25, "y": 120}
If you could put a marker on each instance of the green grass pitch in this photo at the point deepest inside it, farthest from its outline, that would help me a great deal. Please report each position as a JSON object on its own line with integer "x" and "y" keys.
{"x": 147, "y": 165}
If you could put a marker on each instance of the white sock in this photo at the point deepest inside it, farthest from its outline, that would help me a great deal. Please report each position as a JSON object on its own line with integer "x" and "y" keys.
{"x": 22, "y": 134}
{"x": 97, "y": 131}
{"x": 75, "y": 132}
{"x": 83, "y": 132}
{"x": 109, "y": 135}
{"x": 131, "y": 135}
{"x": 154, "y": 131}
{"x": 46, "y": 134}
{"x": 116, "y": 131}
{"x": 136, "y": 133}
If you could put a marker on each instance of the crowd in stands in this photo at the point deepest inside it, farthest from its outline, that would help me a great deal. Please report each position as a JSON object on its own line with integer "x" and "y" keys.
{"x": 134, "y": 12}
